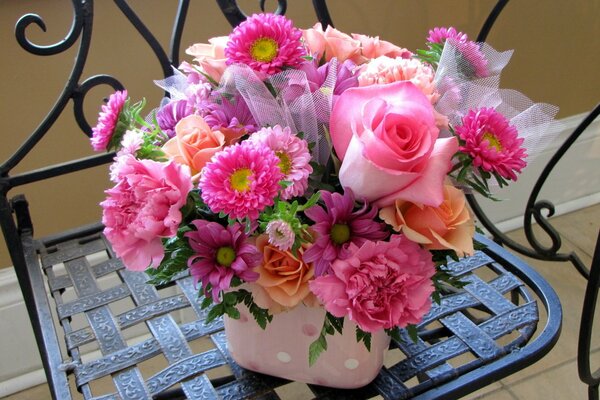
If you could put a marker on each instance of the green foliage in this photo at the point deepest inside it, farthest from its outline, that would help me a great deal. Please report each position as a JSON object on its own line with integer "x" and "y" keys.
{"x": 331, "y": 324}
{"x": 228, "y": 305}
{"x": 365, "y": 337}
{"x": 177, "y": 253}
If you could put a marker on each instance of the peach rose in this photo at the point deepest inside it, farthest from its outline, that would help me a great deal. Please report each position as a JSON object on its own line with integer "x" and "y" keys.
{"x": 283, "y": 281}
{"x": 194, "y": 143}
{"x": 373, "y": 47}
{"x": 448, "y": 226}
{"x": 332, "y": 43}
{"x": 210, "y": 56}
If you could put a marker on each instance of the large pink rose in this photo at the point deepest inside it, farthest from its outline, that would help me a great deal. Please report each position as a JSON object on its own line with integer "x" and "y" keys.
{"x": 210, "y": 56}
{"x": 194, "y": 143}
{"x": 144, "y": 207}
{"x": 380, "y": 285}
{"x": 387, "y": 139}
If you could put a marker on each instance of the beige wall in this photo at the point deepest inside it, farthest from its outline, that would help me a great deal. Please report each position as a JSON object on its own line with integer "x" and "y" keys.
{"x": 556, "y": 57}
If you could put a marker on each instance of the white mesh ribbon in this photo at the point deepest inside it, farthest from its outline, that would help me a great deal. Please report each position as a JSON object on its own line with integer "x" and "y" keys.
{"x": 462, "y": 92}
{"x": 293, "y": 105}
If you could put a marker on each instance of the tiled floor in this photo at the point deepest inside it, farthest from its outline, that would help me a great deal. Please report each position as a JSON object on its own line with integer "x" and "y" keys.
{"x": 555, "y": 376}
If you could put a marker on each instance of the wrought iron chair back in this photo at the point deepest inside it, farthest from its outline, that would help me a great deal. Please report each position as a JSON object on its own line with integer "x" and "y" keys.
{"x": 36, "y": 261}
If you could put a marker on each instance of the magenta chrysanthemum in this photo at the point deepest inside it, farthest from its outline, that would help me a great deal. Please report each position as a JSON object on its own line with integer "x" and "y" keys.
{"x": 440, "y": 35}
{"x": 293, "y": 154}
{"x": 266, "y": 43}
{"x": 492, "y": 143}
{"x": 337, "y": 226}
{"x": 220, "y": 254}
{"x": 281, "y": 234}
{"x": 241, "y": 180}
{"x": 475, "y": 62}
{"x": 105, "y": 129}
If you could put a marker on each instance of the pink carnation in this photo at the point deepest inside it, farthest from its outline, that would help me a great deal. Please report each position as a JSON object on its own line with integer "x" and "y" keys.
{"x": 387, "y": 70}
{"x": 144, "y": 207}
{"x": 380, "y": 285}
{"x": 266, "y": 43}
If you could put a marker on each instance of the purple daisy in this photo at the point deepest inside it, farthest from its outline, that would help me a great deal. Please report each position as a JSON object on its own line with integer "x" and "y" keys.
{"x": 107, "y": 132}
{"x": 338, "y": 226}
{"x": 293, "y": 154}
{"x": 220, "y": 254}
{"x": 266, "y": 43}
{"x": 171, "y": 113}
{"x": 232, "y": 117}
{"x": 241, "y": 180}
{"x": 492, "y": 142}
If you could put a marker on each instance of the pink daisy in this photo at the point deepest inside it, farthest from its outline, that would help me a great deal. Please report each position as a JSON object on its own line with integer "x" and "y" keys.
{"x": 107, "y": 132}
{"x": 281, "y": 234}
{"x": 293, "y": 154}
{"x": 492, "y": 143}
{"x": 220, "y": 254}
{"x": 338, "y": 226}
{"x": 475, "y": 61}
{"x": 241, "y": 180}
{"x": 440, "y": 35}
{"x": 266, "y": 43}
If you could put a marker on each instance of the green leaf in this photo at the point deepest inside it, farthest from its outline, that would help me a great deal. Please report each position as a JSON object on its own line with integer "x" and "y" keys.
{"x": 217, "y": 311}
{"x": 315, "y": 349}
{"x": 412, "y": 332}
{"x": 365, "y": 337}
{"x": 394, "y": 333}
{"x": 336, "y": 323}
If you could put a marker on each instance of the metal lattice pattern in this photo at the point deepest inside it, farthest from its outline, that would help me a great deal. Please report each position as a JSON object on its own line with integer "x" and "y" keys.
{"x": 104, "y": 307}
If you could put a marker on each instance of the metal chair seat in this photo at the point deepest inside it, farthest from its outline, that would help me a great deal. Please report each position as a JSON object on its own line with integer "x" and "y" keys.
{"x": 473, "y": 337}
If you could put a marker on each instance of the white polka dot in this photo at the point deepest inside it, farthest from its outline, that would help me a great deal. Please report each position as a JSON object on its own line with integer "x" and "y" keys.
{"x": 351, "y": 363}
{"x": 284, "y": 357}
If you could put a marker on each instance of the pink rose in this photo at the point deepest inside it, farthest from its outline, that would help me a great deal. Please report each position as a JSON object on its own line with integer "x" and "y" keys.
{"x": 448, "y": 226}
{"x": 373, "y": 47}
{"x": 143, "y": 207}
{"x": 210, "y": 56}
{"x": 380, "y": 285}
{"x": 332, "y": 43}
{"x": 387, "y": 139}
{"x": 194, "y": 143}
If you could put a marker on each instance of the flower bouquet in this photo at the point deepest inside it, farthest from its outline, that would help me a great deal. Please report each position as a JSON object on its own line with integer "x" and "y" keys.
{"x": 314, "y": 181}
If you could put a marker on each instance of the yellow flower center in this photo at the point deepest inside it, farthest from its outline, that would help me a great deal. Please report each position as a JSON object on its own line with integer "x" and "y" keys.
{"x": 492, "y": 141}
{"x": 264, "y": 49}
{"x": 240, "y": 181}
{"x": 225, "y": 256}
{"x": 285, "y": 164}
{"x": 340, "y": 233}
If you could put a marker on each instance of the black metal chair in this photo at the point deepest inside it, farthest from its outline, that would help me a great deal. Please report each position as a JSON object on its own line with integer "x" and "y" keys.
{"x": 489, "y": 330}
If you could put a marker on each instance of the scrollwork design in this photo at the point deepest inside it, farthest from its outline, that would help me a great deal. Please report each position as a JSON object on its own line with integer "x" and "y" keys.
{"x": 79, "y": 10}
{"x": 536, "y": 210}
{"x": 235, "y": 15}
{"x": 83, "y": 89}
{"x": 80, "y": 29}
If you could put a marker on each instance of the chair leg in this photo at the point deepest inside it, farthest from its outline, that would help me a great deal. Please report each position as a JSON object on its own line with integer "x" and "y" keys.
{"x": 592, "y": 379}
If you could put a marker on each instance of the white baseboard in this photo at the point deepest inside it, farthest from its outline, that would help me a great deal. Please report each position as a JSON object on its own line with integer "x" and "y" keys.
{"x": 22, "y": 382}
{"x": 577, "y": 187}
